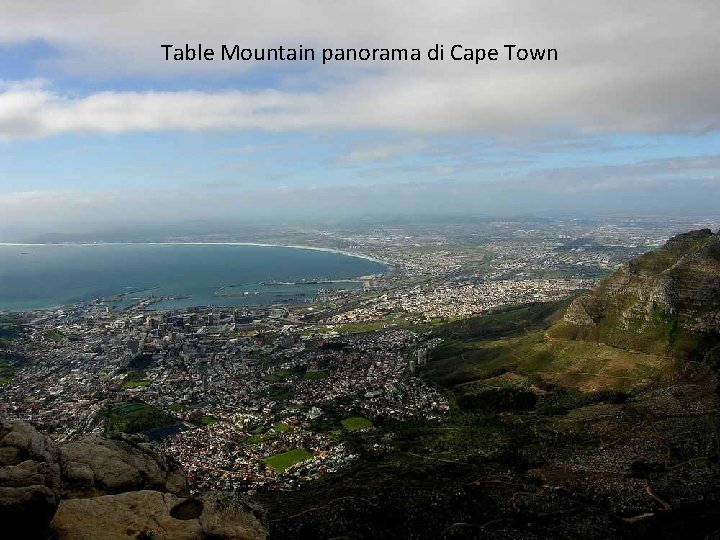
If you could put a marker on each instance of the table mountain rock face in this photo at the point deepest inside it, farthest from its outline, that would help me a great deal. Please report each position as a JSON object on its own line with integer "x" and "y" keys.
{"x": 108, "y": 487}
{"x": 664, "y": 302}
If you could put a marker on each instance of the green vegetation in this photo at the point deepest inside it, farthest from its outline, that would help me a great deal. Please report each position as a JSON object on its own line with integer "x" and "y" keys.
{"x": 283, "y": 374}
{"x": 498, "y": 394}
{"x": 54, "y": 335}
{"x": 135, "y": 417}
{"x": 281, "y": 427}
{"x": 407, "y": 321}
{"x": 356, "y": 423}
{"x": 659, "y": 303}
{"x": 261, "y": 435}
{"x": 281, "y": 462}
{"x": 6, "y": 371}
{"x": 206, "y": 420}
{"x": 257, "y": 438}
{"x": 9, "y": 330}
{"x": 504, "y": 322}
{"x": 177, "y": 407}
{"x": 316, "y": 375}
{"x": 280, "y": 392}
{"x": 128, "y": 385}
{"x": 363, "y": 327}
{"x": 9, "y": 364}
{"x": 135, "y": 379}
{"x": 278, "y": 375}
{"x": 521, "y": 340}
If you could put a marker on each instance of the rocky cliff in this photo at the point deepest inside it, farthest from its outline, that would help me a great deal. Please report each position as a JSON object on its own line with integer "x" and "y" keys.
{"x": 666, "y": 302}
{"x": 107, "y": 488}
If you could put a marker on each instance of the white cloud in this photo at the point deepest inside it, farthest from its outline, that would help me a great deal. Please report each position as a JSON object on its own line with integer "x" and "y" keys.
{"x": 404, "y": 104}
{"x": 31, "y": 110}
{"x": 643, "y": 66}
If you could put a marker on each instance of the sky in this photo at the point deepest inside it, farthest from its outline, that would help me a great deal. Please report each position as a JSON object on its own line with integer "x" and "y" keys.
{"x": 98, "y": 130}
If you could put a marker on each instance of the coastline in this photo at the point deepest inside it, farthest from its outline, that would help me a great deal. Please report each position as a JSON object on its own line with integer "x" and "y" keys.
{"x": 256, "y": 244}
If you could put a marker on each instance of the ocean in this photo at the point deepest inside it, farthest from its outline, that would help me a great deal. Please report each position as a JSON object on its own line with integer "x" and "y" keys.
{"x": 47, "y": 276}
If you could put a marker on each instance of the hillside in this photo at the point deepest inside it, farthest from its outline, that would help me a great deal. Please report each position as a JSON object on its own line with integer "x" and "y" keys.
{"x": 666, "y": 302}
{"x": 635, "y": 330}
{"x": 595, "y": 417}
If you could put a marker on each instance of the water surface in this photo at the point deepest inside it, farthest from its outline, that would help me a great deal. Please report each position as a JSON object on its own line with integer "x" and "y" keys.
{"x": 45, "y": 276}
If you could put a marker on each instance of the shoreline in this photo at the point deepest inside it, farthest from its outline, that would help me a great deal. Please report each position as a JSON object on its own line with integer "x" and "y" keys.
{"x": 256, "y": 244}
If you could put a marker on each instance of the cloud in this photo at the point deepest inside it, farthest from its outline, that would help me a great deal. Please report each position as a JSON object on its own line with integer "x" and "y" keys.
{"x": 643, "y": 67}
{"x": 33, "y": 110}
{"x": 655, "y": 172}
{"x": 255, "y": 148}
{"x": 381, "y": 152}
{"x": 394, "y": 104}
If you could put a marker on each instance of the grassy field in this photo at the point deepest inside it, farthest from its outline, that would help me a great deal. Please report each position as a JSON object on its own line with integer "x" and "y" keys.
{"x": 127, "y": 385}
{"x": 281, "y": 427}
{"x": 135, "y": 379}
{"x": 278, "y": 375}
{"x": 281, "y": 462}
{"x": 407, "y": 321}
{"x": 363, "y": 327}
{"x": 206, "y": 420}
{"x": 355, "y": 423}
{"x": 260, "y": 435}
{"x": 315, "y": 375}
{"x": 54, "y": 335}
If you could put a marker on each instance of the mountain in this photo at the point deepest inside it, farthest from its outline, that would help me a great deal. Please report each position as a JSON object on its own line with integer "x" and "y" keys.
{"x": 666, "y": 302}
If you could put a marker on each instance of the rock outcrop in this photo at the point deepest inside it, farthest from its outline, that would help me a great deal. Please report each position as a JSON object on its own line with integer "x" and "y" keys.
{"x": 98, "y": 465}
{"x": 108, "y": 487}
{"x": 29, "y": 480}
{"x": 665, "y": 302}
{"x": 156, "y": 515}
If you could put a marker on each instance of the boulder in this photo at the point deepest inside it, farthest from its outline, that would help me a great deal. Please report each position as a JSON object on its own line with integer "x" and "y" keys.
{"x": 29, "y": 480}
{"x": 19, "y": 441}
{"x": 97, "y": 465}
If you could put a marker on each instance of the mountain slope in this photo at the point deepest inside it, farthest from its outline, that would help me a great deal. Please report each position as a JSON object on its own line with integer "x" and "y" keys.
{"x": 666, "y": 302}
{"x": 633, "y": 331}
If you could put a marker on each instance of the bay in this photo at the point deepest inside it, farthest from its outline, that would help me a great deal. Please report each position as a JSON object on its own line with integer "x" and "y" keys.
{"x": 53, "y": 275}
